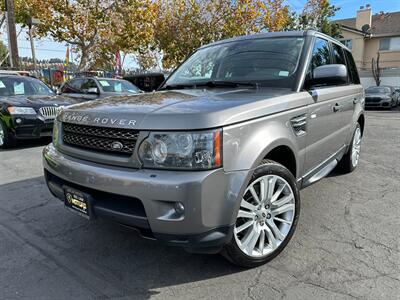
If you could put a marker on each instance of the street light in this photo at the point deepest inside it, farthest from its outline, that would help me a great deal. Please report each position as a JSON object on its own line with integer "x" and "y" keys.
{"x": 32, "y": 22}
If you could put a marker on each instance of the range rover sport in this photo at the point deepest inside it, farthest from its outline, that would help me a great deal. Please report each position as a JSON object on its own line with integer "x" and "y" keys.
{"x": 214, "y": 160}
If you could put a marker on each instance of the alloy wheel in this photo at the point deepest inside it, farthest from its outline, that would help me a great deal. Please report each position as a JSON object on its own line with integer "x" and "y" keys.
{"x": 265, "y": 216}
{"x": 355, "y": 152}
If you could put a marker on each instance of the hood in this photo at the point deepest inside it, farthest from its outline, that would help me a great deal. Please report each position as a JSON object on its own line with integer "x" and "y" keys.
{"x": 37, "y": 101}
{"x": 184, "y": 109}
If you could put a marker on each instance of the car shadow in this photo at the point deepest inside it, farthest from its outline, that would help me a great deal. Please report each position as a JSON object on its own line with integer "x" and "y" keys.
{"x": 105, "y": 258}
{"x": 24, "y": 144}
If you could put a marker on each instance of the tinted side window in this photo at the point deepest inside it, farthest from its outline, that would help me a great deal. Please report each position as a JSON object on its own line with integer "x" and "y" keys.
{"x": 351, "y": 67}
{"x": 320, "y": 54}
{"x": 338, "y": 54}
{"x": 87, "y": 84}
{"x": 72, "y": 87}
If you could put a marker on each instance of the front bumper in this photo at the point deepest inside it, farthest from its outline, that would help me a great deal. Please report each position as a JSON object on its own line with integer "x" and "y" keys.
{"x": 145, "y": 199}
{"x": 377, "y": 103}
{"x": 31, "y": 126}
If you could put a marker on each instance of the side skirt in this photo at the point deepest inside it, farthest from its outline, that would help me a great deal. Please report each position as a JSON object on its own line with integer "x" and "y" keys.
{"x": 323, "y": 169}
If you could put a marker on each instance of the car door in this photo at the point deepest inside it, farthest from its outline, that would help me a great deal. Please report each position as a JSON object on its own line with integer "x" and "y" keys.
{"x": 351, "y": 93}
{"x": 326, "y": 130}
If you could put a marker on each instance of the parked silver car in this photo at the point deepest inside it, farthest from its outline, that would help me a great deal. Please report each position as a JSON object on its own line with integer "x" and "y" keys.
{"x": 381, "y": 97}
{"x": 214, "y": 161}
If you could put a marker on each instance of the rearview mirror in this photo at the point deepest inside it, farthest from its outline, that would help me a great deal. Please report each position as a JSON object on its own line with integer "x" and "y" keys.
{"x": 93, "y": 90}
{"x": 330, "y": 74}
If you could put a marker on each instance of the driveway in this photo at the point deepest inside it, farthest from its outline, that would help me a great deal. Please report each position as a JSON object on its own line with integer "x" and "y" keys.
{"x": 347, "y": 244}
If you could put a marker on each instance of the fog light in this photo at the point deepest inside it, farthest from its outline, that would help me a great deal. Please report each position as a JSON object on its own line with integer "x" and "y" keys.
{"x": 179, "y": 208}
{"x": 18, "y": 121}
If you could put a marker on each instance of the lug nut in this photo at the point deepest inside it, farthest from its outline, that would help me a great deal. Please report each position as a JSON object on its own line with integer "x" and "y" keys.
{"x": 263, "y": 215}
{"x": 267, "y": 206}
{"x": 268, "y": 216}
{"x": 262, "y": 223}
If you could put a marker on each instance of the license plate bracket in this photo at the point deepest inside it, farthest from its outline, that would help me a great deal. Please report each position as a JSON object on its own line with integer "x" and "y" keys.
{"x": 78, "y": 202}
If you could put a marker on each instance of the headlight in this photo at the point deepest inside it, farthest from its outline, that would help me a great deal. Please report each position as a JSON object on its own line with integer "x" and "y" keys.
{"x": 14, "y": 110}
{"x": 182, "y": 150}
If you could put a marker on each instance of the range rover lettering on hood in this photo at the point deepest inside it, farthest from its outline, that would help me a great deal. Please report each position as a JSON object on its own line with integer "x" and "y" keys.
{"x": 73, "y": 117}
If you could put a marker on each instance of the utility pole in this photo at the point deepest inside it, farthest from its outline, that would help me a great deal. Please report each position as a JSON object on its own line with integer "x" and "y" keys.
{"x": 32, "y": 22}
{"x": 12, "y": 35}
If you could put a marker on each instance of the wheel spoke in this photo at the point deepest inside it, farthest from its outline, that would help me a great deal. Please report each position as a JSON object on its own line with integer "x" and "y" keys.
{"x": 271, "y": 238}
{"x": 282, "y": 209}
{"x": 277, "y": 233}
{"x": 247, "y": 205}
{"x": 284, "y": 200}
{"x": 277, "y": 193}
{"x": 245, "y": 214}
{"x": 244, "y": 226}
{"x": 263, "y": 191}
{"x": 249, "y": 242}
{"x": 254, "y": 194}
{"x": 271, "y": 187}
{"x": 261, "y": 244}
{"x": 283, "y": 221}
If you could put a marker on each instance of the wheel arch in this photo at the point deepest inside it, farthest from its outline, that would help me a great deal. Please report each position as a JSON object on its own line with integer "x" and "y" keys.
{"x": 283, "y": 155}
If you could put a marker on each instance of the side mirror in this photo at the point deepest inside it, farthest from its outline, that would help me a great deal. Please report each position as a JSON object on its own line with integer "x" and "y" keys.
{"x": 93, "y": 90}
{"x": 330, "y": 75}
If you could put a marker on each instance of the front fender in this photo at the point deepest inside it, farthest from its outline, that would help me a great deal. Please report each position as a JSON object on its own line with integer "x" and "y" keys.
{"x": 247, "y": 144}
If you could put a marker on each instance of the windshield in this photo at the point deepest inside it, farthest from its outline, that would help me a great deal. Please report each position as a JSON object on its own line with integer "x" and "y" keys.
{"x": 24, "y": 86}
{"x": 267, "y": 62}
{"x": 118, "y": 86}
{"x": 378, "y": 90}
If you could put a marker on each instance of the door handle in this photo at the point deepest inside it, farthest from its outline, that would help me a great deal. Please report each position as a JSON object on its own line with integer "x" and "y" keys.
{"x": 337, "y": 107}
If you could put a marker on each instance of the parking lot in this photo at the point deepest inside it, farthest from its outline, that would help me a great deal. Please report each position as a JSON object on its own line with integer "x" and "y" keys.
{"x": 347, "y": 243}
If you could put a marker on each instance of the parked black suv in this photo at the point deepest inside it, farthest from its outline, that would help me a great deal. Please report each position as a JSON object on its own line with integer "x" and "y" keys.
{"x": 91, "y": 88}
{"x": 27, "y": 109}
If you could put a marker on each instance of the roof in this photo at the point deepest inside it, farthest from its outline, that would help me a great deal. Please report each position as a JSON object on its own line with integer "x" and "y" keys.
{"x": 382, "y": 23}
{"x": 267, "y": 35}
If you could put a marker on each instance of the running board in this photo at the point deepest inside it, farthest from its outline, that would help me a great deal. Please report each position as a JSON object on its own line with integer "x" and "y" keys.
{"x": 320, "y": 174}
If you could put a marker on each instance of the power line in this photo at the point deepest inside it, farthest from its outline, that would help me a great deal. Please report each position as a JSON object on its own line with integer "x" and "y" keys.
{"x": 43, "y": 49}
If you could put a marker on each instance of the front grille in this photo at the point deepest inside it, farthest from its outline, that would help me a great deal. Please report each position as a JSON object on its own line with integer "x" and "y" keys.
{"x": 111, "y": 140}
{"x": 49, "y": 112}
{"x": 373, "y": 99}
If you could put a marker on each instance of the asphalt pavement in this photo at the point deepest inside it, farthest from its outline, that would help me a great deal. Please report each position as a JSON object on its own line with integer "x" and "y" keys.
{"x": 347, "y": 243}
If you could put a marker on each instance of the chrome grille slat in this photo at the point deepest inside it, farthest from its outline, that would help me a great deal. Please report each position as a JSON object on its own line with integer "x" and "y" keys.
{"x": 49, "y": 112}
{"x": 100, "y": 138}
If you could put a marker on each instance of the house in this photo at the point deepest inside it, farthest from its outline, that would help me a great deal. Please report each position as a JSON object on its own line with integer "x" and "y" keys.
{"x": 369, "y": 34}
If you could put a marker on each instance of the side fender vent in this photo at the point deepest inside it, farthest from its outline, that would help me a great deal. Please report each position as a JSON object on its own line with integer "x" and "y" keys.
{"x": 299, "y": 124}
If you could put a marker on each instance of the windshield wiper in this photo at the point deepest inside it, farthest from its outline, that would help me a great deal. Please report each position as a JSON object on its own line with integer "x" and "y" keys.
{"x": 211, "y": 83}
{"x": 221, "y": 83}
{"x": 176, "y": 86}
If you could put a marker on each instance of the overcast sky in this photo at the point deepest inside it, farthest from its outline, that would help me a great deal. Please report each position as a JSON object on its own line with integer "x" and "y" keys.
{"x": 46, "y": 48}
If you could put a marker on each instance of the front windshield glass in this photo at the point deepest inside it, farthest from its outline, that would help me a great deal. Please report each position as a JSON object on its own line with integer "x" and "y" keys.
{"x": 23, "y": 86}
{"x": 263, "y": 61}
{"x": 378, "y": 90}
{"x": 118, "y": 86}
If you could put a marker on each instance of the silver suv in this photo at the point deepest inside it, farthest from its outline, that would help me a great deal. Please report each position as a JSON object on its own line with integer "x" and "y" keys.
{"x": 215, "y": 159}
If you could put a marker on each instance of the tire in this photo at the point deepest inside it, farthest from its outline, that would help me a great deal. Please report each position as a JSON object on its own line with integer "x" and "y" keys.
{"x": 6, "y": 140}
{"x": 268, "y": 243}
{"x": 347, "y": 163}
